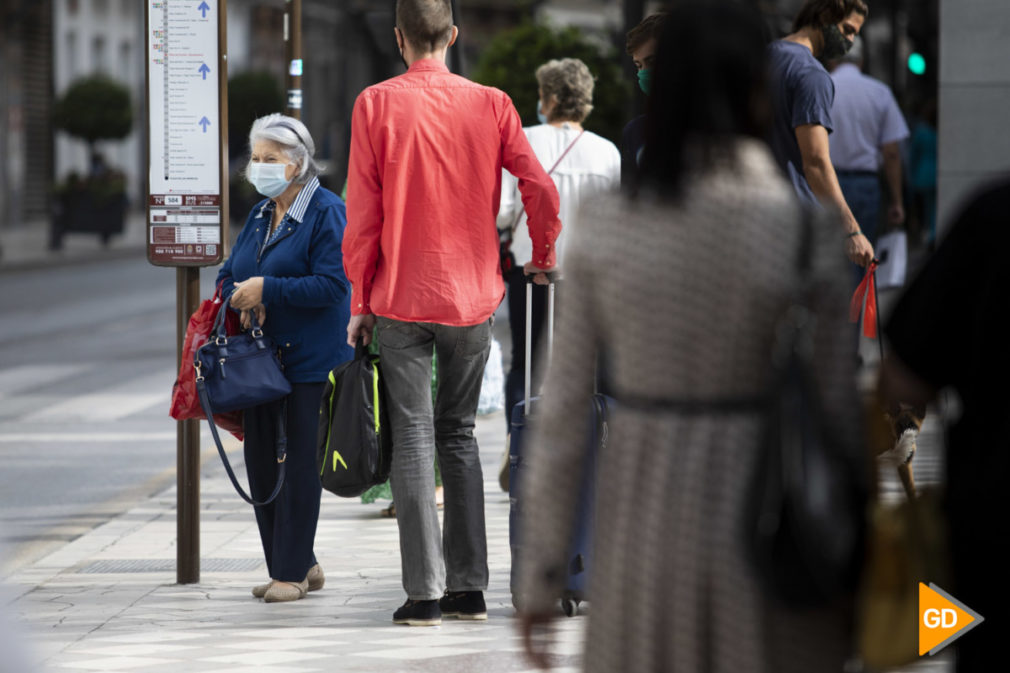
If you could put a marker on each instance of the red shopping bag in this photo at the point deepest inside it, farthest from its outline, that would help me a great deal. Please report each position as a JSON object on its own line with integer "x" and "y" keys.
{"x": 866, "y": 293}
{"x": 185, "y": 403}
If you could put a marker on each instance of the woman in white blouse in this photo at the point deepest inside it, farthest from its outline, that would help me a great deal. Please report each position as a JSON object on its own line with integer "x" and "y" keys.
{"x": 582, "y": 164}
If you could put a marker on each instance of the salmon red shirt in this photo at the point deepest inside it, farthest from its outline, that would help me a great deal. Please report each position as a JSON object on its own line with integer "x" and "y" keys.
{"x": 424, "y": 184}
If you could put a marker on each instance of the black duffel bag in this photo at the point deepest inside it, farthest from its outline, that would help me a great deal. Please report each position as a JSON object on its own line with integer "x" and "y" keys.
{"x": 355, "y": 443}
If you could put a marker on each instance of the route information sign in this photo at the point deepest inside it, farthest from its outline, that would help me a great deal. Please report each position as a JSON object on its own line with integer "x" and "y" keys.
{"x": 184, "y": 174}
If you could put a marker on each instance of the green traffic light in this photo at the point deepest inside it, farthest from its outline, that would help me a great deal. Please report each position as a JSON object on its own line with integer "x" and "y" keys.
{"x": 917, "y": 63}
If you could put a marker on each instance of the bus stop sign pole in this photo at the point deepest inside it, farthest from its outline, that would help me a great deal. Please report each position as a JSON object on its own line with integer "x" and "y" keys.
{"x": 187, "y": 193}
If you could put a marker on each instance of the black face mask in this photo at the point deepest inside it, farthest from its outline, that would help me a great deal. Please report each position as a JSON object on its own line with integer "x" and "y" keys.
{"x": 836, "y": 45}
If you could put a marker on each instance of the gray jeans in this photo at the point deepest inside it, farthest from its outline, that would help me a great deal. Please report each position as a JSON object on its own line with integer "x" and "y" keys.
{"x": 456, "y": 558}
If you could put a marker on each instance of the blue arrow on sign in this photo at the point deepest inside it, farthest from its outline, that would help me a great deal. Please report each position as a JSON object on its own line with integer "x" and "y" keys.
{"x": 204, "y": 70}
{"x": 204, "y": 122}
{"x": 204, "y": 7}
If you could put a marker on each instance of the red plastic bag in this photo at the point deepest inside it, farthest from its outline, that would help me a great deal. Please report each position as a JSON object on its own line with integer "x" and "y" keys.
{"x": 185, "y": 403}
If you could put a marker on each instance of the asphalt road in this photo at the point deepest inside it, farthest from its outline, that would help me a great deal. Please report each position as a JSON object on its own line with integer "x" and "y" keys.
{"x": 87, "y": 362}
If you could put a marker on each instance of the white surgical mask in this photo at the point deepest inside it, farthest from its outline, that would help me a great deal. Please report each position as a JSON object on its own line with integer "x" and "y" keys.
{"x": 540, "y": 113}
{"x": 268, "y": 179}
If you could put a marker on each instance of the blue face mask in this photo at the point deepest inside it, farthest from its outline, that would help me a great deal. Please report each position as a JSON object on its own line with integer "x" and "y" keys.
{"x": 645, "y": 80}
{"x": 268, "y": 179}
{"x": 540, "y": 113}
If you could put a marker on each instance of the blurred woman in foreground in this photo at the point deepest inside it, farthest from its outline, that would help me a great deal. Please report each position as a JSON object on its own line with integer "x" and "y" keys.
{"x": 681, "y": 286}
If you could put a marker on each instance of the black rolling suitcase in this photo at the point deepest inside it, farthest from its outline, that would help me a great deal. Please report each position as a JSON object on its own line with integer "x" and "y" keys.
{"x": 580, "y": 556}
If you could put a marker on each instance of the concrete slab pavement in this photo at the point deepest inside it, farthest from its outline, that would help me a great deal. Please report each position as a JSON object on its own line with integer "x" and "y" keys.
{"x": 108, "y": 601}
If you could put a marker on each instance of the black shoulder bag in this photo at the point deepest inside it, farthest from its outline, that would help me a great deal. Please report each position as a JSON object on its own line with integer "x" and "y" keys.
{"x": 355, "y": 441}
{"x": 807, "y": 506}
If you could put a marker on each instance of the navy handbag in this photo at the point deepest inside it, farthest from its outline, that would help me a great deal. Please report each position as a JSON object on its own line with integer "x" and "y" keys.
{"x": 240, "y": 372}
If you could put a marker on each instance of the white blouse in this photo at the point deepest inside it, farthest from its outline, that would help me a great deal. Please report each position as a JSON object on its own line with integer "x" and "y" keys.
{"x": 593, "y": 166}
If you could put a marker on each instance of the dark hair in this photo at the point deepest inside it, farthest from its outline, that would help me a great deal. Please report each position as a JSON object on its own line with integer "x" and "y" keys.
{"x": 425, "y": 24}
{"x": 649, "y": 28}
{"x": 709, "y": 86}
{"x": 826, "y": 12}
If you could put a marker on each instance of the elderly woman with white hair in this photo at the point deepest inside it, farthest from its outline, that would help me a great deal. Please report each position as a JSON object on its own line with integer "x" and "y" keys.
{"x": 287, "y": 268}
{"x": 581, "y": 163}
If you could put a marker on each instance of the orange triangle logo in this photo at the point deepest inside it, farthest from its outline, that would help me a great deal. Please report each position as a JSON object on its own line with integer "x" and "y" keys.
{"x": 942, "y": 619}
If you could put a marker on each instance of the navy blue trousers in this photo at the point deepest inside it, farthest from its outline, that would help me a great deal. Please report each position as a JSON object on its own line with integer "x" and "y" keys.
{"x": 287, "y": 525}
{"x": 862, "y": 193}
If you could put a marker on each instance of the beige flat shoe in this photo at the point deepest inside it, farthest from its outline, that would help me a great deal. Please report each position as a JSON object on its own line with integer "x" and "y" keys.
{"x": 315, "y": 578}
{"x": 280, "y": 592}
{"x": 260, "y": 590}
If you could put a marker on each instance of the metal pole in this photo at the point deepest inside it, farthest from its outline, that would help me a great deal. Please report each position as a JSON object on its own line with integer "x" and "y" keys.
{"x": 187, "y": 296}
{"x": 293, "y": 55}
{"x": 222, "y": 38}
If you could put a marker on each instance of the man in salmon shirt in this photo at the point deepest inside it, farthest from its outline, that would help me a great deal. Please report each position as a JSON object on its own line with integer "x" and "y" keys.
{"x": 421, "y": 252}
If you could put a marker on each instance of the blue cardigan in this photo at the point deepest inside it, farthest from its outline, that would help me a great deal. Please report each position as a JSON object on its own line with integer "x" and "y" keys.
{"x": 305, "y": 291}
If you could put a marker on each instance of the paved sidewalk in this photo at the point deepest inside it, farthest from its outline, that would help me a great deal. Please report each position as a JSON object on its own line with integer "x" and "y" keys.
{"x": 108, "y": 601}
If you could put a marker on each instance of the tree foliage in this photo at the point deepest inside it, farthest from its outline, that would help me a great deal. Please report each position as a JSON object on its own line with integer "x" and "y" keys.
{"x": 511, "y": 59}
{"x": 251, "y": 95}
{"x": 95, "y": 108}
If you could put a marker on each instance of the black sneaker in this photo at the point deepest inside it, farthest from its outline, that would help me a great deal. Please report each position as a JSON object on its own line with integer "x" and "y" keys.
{"x": 418, "y": 613}
{"x": 463, "y": 605}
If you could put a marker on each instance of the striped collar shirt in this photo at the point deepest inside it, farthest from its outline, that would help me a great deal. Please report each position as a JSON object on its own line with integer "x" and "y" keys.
{"x": 297, "y": 210}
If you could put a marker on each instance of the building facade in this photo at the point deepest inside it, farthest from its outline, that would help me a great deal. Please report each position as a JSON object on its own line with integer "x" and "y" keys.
{"x": 25, "y": 110}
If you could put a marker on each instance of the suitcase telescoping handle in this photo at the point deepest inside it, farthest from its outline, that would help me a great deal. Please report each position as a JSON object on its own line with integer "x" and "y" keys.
{"x": 529, "y": 334}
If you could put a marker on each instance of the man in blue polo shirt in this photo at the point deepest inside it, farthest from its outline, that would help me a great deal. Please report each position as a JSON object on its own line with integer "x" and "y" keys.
{"x": 868, "y": 130}
{"x": 802, "y": 94}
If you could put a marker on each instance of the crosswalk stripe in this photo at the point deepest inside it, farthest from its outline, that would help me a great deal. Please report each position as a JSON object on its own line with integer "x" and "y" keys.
{"x": 23, "y": 377}
{"x": 109, "y": 402}
{"x": 84, "y": 438}
{"x": 97, "y": 437}
{"x": 98, "y": 407}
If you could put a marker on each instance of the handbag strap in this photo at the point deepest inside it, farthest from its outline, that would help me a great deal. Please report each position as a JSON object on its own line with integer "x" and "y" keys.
{"x": 515, "y": 225}
{"x": 219, "y": 329}
{"x": 876, "y": 298}
{"x": 282, "y": 446}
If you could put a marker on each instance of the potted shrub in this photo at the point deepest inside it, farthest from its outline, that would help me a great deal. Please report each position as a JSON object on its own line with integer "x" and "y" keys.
{"x": 93, "y": 109}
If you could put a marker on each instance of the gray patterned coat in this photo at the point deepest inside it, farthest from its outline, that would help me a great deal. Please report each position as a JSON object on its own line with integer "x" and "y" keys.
{"x": 685, "y": 299}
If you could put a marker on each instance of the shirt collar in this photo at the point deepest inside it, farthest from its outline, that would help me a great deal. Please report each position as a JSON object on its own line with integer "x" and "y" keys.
{"x": 428, "y": 65}
{"x": 297, "y": 210}
{"x": 847, "y": 69}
